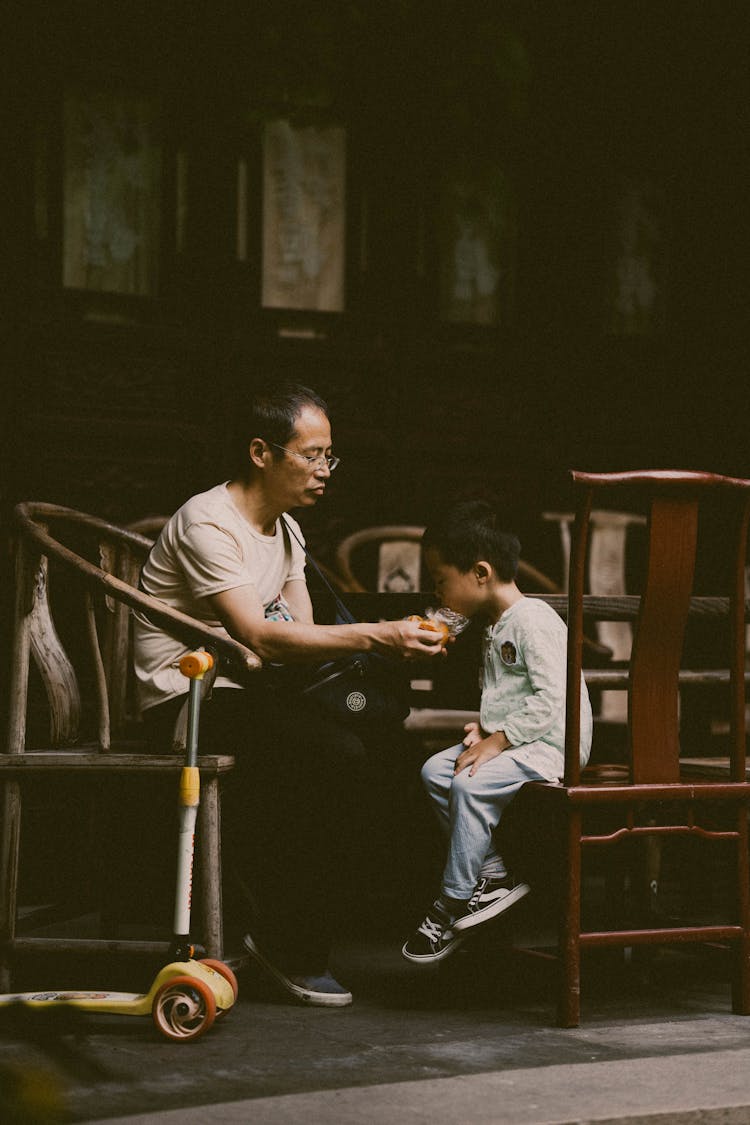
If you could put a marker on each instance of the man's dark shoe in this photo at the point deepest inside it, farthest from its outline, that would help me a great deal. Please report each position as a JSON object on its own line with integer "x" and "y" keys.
{"x": 433, "y": 940}
{"x": 492, "y": 897}
{"x": 319, "y": 989}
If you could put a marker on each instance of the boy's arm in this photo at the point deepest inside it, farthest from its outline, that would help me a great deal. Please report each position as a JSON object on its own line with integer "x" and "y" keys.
{"x": 544, "y": 653}
{"x": 482, "y": 751}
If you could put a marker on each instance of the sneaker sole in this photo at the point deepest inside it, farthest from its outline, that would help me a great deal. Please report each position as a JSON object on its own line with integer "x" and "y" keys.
{"x": 493, "y": 909}
{"x": 431, "y": 958}
{"x": 304, "y": 995}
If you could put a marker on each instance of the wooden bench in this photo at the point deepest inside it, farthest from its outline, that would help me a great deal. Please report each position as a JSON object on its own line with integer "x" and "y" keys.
{"x": 91, "y": 567}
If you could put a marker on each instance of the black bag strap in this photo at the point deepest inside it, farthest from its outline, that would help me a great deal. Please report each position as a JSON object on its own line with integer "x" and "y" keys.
{"x": 347, "y": 618}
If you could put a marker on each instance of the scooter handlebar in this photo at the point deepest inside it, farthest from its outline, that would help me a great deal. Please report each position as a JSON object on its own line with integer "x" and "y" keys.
{"x": 196, "y": 664}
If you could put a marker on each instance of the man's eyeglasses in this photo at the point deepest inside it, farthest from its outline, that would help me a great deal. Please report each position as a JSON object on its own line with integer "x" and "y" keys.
{"x": 313, "y": 459}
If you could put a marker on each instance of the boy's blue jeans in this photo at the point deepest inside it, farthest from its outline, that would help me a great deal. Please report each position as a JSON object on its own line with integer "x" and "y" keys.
{"x": 469, "y": 808}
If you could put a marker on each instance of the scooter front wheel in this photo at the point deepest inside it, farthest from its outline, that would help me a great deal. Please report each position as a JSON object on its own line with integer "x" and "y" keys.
{"x": 184, "y": 1008}
{"x": 223, "y": 971}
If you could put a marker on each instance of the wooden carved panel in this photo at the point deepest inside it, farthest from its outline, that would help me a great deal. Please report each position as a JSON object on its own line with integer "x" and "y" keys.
{"x": 638, "y": 251}
{"x": 304, "y": 221}
{"x": 477, "y": 245}
{"x": 112, "y": 185}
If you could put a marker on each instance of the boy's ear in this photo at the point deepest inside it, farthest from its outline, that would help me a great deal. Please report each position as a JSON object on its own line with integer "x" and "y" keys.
{"x": 482, "y": 571}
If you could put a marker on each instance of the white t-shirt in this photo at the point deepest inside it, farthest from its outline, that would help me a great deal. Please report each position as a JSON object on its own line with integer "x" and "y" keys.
{"x": 206, "y": 547}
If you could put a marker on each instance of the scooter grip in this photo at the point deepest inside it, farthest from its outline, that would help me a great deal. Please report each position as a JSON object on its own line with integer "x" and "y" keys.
{"x": 196, "y": 664}
{"x": 190, "y": 787}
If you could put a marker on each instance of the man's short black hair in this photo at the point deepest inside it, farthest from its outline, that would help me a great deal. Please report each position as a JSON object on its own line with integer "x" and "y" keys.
{"x": 468, "y": 533}
{"x": 272, "y": 415}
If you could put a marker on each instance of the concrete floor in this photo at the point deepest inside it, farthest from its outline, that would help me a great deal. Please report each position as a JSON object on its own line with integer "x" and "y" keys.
{"x": 470, "y": 1040}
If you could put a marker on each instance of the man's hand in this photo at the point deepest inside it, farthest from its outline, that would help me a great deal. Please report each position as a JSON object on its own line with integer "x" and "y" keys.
{"x": 480, "y": 749}
{"x": 408, "y": 639}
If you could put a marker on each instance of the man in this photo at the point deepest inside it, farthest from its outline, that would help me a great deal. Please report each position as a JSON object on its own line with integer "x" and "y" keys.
{"x": 223, "y": 558}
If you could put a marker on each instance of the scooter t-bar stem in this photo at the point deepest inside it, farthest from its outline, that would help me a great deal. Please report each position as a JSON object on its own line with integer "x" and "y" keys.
{"x": 193, "y": 665}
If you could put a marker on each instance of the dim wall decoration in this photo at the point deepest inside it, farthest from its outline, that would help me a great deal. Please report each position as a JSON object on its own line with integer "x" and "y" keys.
{"x": 477, "y": 245}
{"x": 304, "y": 216}
{"x": 637, "y": 258}
{"x": 111, "y": 194}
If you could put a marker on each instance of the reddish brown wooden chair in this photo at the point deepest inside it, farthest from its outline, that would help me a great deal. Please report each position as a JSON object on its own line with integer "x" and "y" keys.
{"x": 654, "y": 795}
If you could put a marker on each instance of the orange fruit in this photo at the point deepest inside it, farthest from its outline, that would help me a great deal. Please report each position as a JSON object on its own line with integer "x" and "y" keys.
{"x": 433, "y": 626}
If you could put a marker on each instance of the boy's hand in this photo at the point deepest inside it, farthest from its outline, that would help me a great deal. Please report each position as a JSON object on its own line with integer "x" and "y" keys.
{"x": 473, "y": 734}
{"x": 479, "y": 751}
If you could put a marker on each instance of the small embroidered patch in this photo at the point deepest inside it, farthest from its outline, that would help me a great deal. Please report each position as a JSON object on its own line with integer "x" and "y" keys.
{"x": 508, "y": 653}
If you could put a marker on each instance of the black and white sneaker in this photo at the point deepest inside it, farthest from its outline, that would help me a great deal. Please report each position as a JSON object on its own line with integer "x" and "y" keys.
{"x": 491, "y": 898}
{"x": 434, "y": 938}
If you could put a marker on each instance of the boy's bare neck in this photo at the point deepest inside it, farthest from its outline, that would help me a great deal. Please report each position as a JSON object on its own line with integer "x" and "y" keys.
{"x": 504, "y": 595}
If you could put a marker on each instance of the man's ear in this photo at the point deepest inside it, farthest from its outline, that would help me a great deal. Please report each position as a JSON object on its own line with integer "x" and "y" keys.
{"x": 257, "y": 450}
{"x": 482, "y": 571}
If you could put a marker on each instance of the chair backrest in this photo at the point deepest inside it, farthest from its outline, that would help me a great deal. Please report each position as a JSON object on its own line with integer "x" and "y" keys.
{"x": 398, "y": 562}
{"x": 672, "y": 501}
{"x": 95, "y": 567}
{"x": 610, "y": 533}
{"x": 397, "y": 559}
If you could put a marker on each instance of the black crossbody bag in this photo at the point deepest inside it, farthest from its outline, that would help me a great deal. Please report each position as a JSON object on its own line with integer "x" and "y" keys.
{"x": 359, "y": 689}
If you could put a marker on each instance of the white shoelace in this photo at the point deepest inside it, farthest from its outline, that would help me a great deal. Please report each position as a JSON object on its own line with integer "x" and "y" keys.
{"x": 431, "y": 929}
{"x": 477, "y": 893}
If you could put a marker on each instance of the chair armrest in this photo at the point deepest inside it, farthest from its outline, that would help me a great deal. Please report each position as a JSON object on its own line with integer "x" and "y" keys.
{"x": 192, "y": 632}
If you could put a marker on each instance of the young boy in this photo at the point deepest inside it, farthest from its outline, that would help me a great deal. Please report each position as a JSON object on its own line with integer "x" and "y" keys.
{"x": 520, "y": 736}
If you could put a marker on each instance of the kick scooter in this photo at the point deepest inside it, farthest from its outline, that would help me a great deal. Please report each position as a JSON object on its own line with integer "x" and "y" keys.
{"x": 187, "y": 995}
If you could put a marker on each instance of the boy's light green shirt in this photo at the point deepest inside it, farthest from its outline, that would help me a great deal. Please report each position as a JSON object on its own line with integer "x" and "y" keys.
{"x": 524, "y": 678}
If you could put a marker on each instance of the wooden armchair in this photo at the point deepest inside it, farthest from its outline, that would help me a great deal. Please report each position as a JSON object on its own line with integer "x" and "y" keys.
{"x": 398, "y": 562}
{"x": 89, "y": 569}
{"x": 655, "y": 796}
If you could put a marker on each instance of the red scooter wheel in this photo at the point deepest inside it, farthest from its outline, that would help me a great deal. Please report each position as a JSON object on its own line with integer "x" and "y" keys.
{"x": 184, "y": 1008}
{"x": 223, "y": 971}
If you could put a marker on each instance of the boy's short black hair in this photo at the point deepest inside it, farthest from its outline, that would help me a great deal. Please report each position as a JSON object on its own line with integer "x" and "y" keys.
{"x": 467, "y": 533}
{"x": 272, "y": 415}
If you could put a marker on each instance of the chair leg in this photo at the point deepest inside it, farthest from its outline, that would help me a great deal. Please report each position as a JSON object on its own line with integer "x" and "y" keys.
{"x": 568, "y": 1009}
{"x": 741, "y": 975}
{"x": 10, "y": 839}
{"x": 210, "y": 868}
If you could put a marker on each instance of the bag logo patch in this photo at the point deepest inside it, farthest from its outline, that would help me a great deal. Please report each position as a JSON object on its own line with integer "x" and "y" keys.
{"x": 356, "y": 701}
{"x": 508, "y": 653}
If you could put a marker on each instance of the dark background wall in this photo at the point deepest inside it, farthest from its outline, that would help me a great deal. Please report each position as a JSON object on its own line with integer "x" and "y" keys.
{"x": 124, "y": 407}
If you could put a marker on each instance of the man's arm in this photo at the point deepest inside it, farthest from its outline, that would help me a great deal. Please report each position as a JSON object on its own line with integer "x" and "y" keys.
{"x": 297, "y": 597}
{"x": 241, "y": 612}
